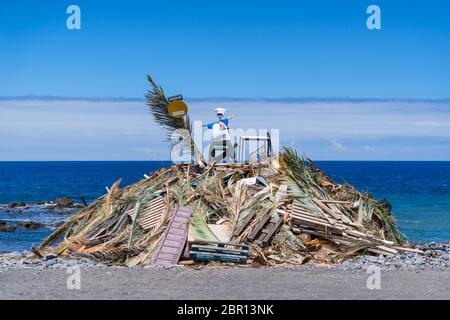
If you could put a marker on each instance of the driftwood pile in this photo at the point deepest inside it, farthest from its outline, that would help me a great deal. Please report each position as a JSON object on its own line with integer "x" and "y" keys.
{"x": 285, "y": 210}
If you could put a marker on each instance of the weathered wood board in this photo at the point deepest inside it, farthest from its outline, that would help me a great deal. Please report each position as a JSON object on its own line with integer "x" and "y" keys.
{"x": 174, "y": 238}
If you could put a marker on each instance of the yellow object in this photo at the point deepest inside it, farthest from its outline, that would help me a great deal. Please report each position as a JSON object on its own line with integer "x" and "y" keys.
{"x": 177, "y": 109}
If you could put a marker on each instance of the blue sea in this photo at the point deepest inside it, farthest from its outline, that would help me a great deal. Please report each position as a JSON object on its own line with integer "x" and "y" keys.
{"x": 418, "y": 191}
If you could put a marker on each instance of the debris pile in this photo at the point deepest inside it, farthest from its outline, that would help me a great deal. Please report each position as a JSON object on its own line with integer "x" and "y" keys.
{"x": 284, "y": 210}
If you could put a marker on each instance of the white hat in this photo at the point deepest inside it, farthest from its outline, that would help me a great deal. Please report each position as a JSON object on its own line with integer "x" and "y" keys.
{"x": 220, "y": 111}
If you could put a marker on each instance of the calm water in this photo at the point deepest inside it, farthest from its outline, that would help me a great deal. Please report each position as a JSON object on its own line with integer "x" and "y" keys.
{"x": 418, "y": 191}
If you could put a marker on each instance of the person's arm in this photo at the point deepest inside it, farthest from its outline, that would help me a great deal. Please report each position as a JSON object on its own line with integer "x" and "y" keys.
{"x": 210, "y": 125}
{"x": 225, "y": 122}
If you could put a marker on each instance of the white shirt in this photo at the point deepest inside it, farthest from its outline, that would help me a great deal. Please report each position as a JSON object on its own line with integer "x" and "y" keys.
{"x": 220, "y": 132}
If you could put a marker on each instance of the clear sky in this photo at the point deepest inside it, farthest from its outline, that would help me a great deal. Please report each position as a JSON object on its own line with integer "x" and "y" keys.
{"x": 203, "y": 48}
{"x": 393, "y": 83}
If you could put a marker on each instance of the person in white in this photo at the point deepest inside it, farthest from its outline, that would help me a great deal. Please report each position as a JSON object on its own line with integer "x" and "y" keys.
{"x": 220, "y": 137}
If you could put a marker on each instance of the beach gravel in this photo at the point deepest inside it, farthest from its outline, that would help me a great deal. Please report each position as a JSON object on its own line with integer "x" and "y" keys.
{"x": 405, "y": 276}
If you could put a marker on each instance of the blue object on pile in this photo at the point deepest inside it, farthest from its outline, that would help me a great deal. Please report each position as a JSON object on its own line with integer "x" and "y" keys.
{"x": 217, "y": 251}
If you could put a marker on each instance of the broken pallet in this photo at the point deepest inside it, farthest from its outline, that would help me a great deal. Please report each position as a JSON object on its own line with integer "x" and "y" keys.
{"x": 264, "y": 230}
{"x": 217, "y": 251}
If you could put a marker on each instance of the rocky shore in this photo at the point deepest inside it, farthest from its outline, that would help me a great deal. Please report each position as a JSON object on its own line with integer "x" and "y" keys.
{"x": 23, "y": 260}
{"x": 57, "y": 204}
{"x": 27, "y": 225}
{"x": 435, "y": 257}
{"x": 21, "y": 211}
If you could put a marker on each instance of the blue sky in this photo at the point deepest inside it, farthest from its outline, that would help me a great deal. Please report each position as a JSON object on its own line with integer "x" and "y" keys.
{"x": 239, "y": 49}
{"x": 226, "y": 48}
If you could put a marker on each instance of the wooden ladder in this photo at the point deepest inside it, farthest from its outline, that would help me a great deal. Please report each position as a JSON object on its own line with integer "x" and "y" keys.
{"x": 175, "y": 237}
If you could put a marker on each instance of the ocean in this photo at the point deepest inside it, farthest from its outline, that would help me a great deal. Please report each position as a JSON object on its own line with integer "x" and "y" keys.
{"x": 418, "y": 191}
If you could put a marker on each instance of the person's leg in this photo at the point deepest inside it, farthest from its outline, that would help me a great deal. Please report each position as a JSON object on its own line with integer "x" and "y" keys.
{"x": 216, "y": 155}
{"x": 224, "y": 149}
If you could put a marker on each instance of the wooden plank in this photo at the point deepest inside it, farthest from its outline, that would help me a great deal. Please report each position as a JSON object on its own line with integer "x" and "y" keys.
{"x": 175, "y": 237}
{"x": 205, "y": 256}
{"x": 331, "y": 212}
{"x": 215, "y": 249}
{"x": 272, "y": 230}
{"x": 296, "y": 207}
{"x": 217, "y": 257}
{"x": 222, "y": 244}
{"x": 259, "y": 226}
{"x": 244, "y": 224}
{"x": 408, "y": 249}
{"x": 259, "y": 241}
{"x": 335, "y": 201}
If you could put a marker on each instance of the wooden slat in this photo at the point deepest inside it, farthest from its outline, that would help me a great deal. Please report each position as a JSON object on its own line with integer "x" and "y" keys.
{"x": 243, "y": 224}
{"x": 216, "y": 254}
{"x": 259, "y": 226}
{"x": 215, "y": 248}
{"x": 296, "y": 207}
{"x": 153, "y": 212}
{"x": 272, "y": 230}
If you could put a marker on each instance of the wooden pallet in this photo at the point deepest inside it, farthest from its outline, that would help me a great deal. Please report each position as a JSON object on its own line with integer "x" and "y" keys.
{"x": 175, "y": 237}
{"x": 151, "y": 214}
{"x": 217, "y": 251}
{"x": 265, "y": 229}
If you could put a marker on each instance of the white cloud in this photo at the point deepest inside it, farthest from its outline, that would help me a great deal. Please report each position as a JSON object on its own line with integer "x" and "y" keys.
{"x": 337, "y": 146}
{"x": 125, "y": 130}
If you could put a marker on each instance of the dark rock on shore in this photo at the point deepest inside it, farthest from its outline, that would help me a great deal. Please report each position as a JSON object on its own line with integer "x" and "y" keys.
{"x": 50, "y": 256}
{"x": 41, "y": 203}
{"x": 5, "y": 227}
{"x": 29, "y": 225}
{"x": 64, "y": 202}
{"x": 58, "y": 203}
{"x": 16, "y": 205}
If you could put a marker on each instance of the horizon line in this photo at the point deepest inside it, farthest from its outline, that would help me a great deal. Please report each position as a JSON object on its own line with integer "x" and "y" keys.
{"x": 320, "y": 160}
{"x": 226, "y": 99}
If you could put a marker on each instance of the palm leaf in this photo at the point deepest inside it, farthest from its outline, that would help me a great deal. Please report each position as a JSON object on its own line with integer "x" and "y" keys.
{"x": 158, "y": 103}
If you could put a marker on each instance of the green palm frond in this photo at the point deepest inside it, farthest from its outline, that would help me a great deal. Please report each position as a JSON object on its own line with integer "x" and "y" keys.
{"x": 295, "y": 168}
{"x": 158, "y": 103}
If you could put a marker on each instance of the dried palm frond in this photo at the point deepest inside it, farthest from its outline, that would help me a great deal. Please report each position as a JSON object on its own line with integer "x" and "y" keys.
{"x": 382, "y": 211}
{"x": 107, "y": 230}
{"x": 111, "y": 255}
